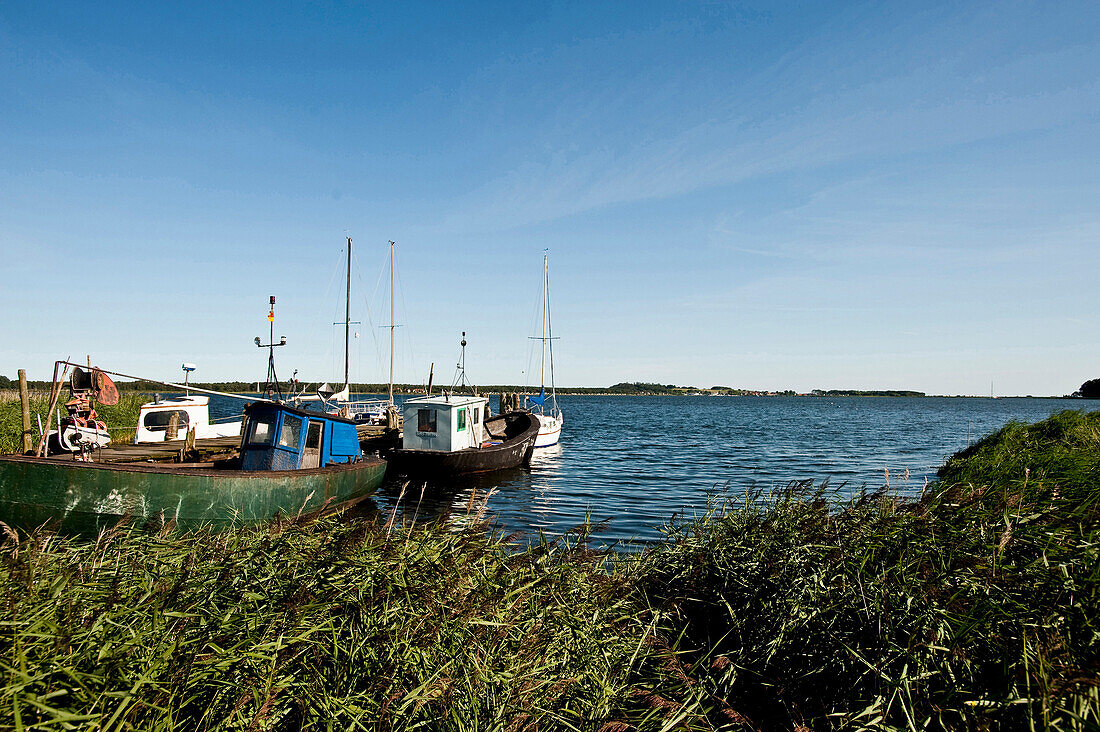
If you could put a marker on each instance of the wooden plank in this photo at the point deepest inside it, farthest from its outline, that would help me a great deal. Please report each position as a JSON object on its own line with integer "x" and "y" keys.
{"x": 163, "y": 450}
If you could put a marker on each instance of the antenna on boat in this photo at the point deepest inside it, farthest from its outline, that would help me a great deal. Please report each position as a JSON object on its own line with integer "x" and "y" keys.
{"x": 187, "y": 369}
{"x": 272, "y": 385}
{"x": 460, "y": 375}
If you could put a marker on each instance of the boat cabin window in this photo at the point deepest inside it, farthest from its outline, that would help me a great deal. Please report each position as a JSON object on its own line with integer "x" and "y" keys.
{"x": 157, "y": 421}
{"x": 313, "y": 436}
{"x": 461, "y": 420}
{"x": 425, "y": 420}
{"x": 262, "y": 432}
{"x": 477, "y": 415}
{"x": 291, "y": 432}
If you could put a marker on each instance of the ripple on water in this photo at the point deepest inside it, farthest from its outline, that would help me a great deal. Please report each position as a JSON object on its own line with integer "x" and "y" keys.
{"x": 634, "y": 461}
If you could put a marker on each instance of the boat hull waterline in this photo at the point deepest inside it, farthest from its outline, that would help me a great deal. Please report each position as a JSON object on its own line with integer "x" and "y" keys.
{"x": 85, "y": 497}
{"x": 511, "y": 453}
{"x": 549, "y": 430}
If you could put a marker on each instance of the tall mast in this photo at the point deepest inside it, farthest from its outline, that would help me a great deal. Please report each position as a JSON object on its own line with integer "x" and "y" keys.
{"x": 545, "y": 294}
{"x": 347, "y": 315}
{"x": 391, "y": 321}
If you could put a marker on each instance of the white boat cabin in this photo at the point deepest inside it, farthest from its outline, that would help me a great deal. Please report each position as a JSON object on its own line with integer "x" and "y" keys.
{"x": 155, "y": 417}
{"x": 446, "y": 423}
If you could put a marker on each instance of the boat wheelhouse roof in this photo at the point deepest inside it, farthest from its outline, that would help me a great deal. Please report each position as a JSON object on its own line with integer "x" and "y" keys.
{"x": 453, "y": 400}
{"x": 176, "y": 402}
{"x": 258, "y": 406}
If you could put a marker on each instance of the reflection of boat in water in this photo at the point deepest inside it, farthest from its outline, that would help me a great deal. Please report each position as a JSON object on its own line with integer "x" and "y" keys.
{"x": 458, "y": 498}
{"x": 453, "y": 434}
{"x": 546, "y": 456}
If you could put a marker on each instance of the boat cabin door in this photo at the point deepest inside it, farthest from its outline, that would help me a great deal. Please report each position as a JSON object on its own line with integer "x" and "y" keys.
{"x": 311, "y": 455}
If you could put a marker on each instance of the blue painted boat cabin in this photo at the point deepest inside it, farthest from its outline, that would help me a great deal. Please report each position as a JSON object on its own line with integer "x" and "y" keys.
{"x": 278, "y": 437}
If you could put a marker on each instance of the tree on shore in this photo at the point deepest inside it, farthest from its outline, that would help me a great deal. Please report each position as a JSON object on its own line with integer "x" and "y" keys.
{"x": 1090, "y": 389}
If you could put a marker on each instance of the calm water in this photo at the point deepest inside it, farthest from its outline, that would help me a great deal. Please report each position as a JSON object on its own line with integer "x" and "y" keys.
{"x": 635, "y": 461}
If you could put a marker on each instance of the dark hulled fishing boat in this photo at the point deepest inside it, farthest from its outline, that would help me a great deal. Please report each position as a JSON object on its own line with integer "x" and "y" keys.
{"x": 453, "y": 434}
{"x": 446, "y": 436}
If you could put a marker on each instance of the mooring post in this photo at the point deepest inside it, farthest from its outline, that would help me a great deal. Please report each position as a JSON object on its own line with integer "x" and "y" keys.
{"x": 172, "y": 430}
{"x": 55, "y": 392}
{"x": 25, "y": 403}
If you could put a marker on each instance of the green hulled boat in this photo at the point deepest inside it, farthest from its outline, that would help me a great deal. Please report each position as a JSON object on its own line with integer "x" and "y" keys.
{"x": 290, "y": 462}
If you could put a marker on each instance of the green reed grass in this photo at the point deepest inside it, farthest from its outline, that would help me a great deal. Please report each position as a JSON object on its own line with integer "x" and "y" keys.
{"x": 975, "y": 608}
{"x": 287, "y": 627}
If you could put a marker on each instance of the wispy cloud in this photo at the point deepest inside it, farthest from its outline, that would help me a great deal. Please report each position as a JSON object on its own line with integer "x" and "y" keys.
{"x": 848, "y": 114}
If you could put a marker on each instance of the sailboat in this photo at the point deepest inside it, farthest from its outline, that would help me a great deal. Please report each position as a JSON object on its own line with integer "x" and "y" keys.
{"x": 360, "y": 411}
{"x": 545, "y": 406}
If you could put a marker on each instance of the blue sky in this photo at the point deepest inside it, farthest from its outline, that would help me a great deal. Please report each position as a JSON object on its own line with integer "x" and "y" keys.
{"x": 758, "y": 195}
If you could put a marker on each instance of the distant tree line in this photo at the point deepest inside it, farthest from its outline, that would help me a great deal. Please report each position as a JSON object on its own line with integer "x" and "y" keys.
{"x": 641, "y": 387}
{"x": 878, "y": 393}
{"x": 1089, "y": 390}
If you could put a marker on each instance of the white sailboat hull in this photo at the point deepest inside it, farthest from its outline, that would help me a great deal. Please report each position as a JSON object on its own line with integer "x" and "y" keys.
{"x": 549, "y": 430}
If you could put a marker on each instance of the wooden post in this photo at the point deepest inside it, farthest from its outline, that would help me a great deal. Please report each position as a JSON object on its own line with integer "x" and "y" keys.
{"x": 55, "y": 392}
{"x": 25, "y": 403}
{"x": 172, "y": 430}
{"x": 187, "y": 454}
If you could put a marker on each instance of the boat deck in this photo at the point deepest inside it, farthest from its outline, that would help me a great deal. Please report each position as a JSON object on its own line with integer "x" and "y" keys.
{"x": 163, "y": 450}
{"x": 171, "y": 449}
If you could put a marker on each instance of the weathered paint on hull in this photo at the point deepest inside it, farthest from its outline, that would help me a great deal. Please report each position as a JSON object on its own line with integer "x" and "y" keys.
{"x": 85, "y": 497}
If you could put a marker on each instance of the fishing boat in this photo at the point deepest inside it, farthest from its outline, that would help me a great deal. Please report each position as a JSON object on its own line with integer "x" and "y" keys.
{"x": 190, "y": 412}
{"x": 288, "y": 461}
{"x": 454, "y": 434}
{"x": 545, "y": 406}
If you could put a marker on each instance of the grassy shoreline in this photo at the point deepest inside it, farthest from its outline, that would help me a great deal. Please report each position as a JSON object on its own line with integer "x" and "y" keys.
{"x": 976, "y": 607}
